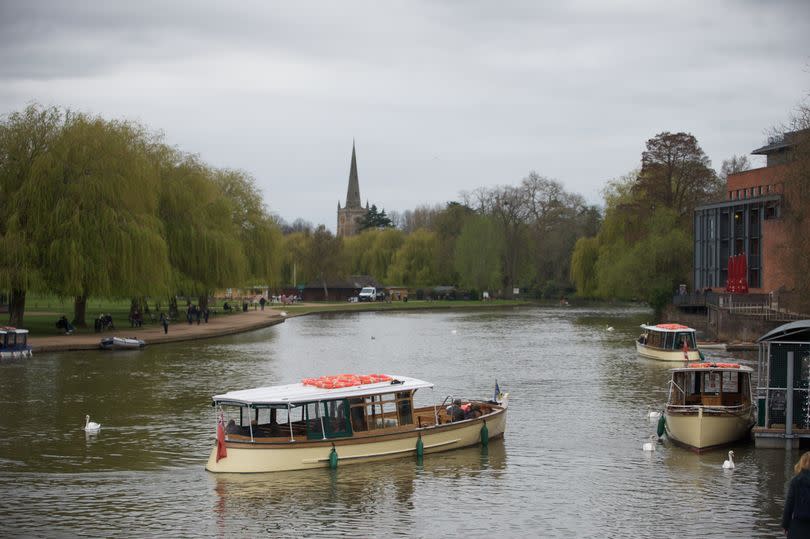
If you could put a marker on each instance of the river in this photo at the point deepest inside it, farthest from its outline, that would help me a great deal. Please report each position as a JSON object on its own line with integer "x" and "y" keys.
{"x": 570, "y": 465}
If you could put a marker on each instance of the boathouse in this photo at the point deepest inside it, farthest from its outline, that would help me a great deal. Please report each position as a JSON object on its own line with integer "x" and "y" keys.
{"x": 783, "y": 406}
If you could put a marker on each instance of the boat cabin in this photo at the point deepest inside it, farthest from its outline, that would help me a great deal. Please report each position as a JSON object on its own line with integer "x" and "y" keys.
{"x": 710, "y": 384}
{"x": 14, "y": 342}
{"x": 668, "y": 336}
{"x": 310, "y": 411}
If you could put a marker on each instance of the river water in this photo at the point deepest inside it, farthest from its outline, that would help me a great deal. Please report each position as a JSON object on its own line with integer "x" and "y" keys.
{"x": 570, "y": 465}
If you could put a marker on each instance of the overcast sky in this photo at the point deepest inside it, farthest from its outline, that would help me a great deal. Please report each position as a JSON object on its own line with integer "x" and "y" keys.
{"x": 440, "y": 96}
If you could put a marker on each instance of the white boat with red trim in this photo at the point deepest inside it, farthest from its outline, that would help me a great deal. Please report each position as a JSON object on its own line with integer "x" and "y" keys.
{"x": 709, "y": 405}
{"x": 344, "y": 419}
{"x": 668, "y": 342}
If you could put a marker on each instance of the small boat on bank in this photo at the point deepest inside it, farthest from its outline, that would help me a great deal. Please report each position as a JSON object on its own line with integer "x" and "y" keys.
{"x": 668, "y": 342}
{"x": 709, "y": 405}
{"x": 345, "y": 419}
{"x": 121, "y": 343}
{"x": 14, "y": 343}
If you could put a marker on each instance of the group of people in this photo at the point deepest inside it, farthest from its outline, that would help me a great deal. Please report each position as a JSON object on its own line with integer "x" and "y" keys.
{"x": 195, "y": 312}
{"x": 459, "y": 412}
{"x": 104, "y": 322}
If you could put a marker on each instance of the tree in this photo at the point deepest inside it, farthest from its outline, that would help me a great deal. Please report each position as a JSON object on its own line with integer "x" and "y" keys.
{"x": 414, "y": 262}
{"x": 375, "y": 219}
{"x": 734, "y": 165}
{"x": 25, "y": 138}
{"x": 94, "y": 199}
{"x": 204, "y": 241}
{"x": 583, "y": 266}
{"x": 509, "y": 209}
{"x": 258, "y": 232}
{"x": 478, "y": 254}
{"x": 323, "y": 256}
{"x": 676, "y": 174}
{"x": 448, "y": 224}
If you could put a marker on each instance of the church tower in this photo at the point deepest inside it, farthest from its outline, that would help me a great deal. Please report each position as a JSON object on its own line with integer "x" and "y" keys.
{"x": 348, "y": 218}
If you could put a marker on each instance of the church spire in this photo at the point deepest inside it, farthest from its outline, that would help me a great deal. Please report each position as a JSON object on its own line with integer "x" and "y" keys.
{"x": 353, "y": 193}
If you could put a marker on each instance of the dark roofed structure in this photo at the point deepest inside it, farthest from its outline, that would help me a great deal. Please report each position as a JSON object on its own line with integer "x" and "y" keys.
{"x": 338, "y": 289}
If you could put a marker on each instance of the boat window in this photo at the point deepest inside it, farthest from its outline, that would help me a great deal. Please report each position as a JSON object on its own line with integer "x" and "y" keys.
{"x": 711, "y": 383}
{"x": 405, "y": 408}
{"x": 730, "y": 382}
{"x": 677, "y": 396}
{"x": 687, "y": 336}
{"x": 331, "y": 419}
{"x": 381, "y": 411}
{"x": 357, "y": 407}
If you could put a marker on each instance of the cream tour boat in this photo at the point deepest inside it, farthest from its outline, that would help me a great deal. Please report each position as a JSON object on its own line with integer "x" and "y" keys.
{"x": 709, "y": 405}
{"x": 344, "y": 419}
{"x": 668, "y": 342}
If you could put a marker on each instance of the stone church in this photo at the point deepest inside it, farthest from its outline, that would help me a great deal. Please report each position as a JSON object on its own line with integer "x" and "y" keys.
{"x": 349, "y": 217}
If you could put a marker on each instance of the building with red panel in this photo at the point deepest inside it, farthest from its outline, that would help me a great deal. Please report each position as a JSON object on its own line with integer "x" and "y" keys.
{"x": 748, "y": 222}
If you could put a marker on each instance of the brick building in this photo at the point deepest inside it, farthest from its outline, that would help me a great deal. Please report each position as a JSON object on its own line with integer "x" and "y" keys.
{"x": 748, "y": 222}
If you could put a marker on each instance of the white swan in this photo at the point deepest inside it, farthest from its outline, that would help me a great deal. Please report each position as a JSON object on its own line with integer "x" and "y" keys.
{"x": 610, "y": 328}
{"x": 283, "y": 313}
{"x": 653, "y": 415}
{"x": 649, "y": 446}
{"x": 729, "y": 464}
{"x": 91, "y": 426}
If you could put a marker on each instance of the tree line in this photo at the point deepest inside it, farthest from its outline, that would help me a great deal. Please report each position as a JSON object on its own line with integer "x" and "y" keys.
{"x": 495, "y": 239}
{"x": 105, "y": 208}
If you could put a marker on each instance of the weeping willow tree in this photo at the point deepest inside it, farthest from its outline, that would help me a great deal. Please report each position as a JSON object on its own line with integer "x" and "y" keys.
{"x": 205, "y": 247}
{"x": 258, "y": 232}
{"x": 94, "y": 199}
{"x": 478, "y": 254}
{"x": 25, "y": 138}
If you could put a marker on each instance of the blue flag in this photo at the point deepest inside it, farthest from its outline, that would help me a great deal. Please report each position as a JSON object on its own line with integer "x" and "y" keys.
{"x": 497, "y": 391}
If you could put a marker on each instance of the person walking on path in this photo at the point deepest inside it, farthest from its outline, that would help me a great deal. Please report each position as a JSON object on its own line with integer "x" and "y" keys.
{"x": 262, "y": 302}
{"x": 796, "y": 517}
{"x": 164, "y": 320}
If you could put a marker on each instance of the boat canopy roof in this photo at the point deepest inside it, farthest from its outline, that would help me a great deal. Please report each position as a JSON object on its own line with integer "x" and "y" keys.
{"x": 666, "y": 327}
{"x": 300, "y": 393}
{"x": 9, "y": 329}
{"x": 700, "y": 367}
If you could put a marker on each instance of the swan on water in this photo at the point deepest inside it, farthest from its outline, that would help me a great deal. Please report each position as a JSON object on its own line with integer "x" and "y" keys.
{"x": 653, "y": 415}
{"x": 649, "y": 446}
{"x": 91, "y": 426}
{"x": 729, "y": 464}
{"x": 610, "y": 328}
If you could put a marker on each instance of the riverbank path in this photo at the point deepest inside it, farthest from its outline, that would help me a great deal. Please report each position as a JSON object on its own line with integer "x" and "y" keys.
{"x": 179, "y": 330}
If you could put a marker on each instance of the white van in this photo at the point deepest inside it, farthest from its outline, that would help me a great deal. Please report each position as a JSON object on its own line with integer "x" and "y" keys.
{"x": 368, "y": 293}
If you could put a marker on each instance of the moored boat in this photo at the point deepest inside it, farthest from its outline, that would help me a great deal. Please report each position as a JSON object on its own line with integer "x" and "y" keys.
{"x": 14, "y": 343}
{"x": 345, "y": 419}
{"x": 123, "y": 343}
{"x": 709, "y": 405}
{"x": 668, "y": 342}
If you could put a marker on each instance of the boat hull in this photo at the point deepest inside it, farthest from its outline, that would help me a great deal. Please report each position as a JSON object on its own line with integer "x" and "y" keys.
{"x": 15, "y": 354}
{"x": 706, "y": 427}
{"x": 113, "y": 343}
{"x": 302, "y": 455}
{"x": 666, "y": 355}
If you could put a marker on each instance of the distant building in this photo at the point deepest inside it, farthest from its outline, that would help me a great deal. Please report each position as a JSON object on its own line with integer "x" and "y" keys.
{"x": 349, "y": 217}
{"x": 749, "y": 222}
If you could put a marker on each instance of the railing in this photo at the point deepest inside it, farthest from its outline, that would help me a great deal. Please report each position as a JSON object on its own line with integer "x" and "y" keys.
{"x": 772, "y": 307}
